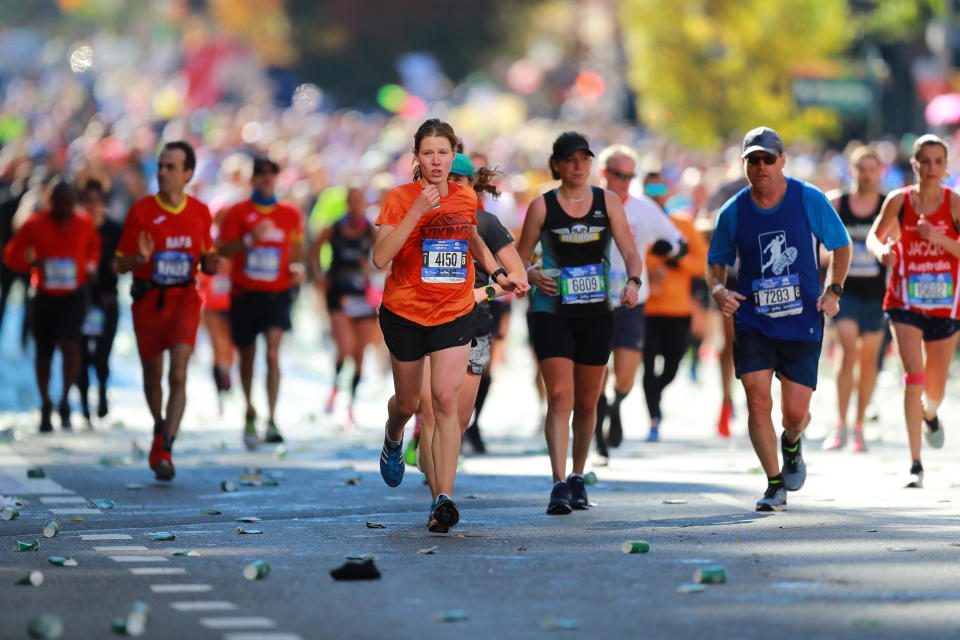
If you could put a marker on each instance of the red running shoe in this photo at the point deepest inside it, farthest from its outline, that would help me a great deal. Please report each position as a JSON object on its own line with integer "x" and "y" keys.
{"x": 723, "y": 426}
{"x": 161, "y": 462}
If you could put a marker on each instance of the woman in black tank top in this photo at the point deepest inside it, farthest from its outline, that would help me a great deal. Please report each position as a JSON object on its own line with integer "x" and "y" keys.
{"x": 572, "y": 321}
{"x": 860, "y": 322}
{"x": 345, "y": 286}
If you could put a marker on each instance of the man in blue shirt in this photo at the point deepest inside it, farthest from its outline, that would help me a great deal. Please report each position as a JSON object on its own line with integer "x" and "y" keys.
{"x": 775, "y": 226}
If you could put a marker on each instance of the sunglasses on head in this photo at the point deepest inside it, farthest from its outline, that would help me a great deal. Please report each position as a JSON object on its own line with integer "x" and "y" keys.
{"x": 621, "y": 176}
{"x": 766, "y": 159}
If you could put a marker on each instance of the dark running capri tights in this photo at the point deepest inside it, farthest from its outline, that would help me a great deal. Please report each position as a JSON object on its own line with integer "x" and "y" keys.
{"x": 585, "y": 340}
{"x": 409, "y": 341}
{"x": 795, "y": 360}
{"x": 933, "y": 328}
{"x": 253, "y": 312}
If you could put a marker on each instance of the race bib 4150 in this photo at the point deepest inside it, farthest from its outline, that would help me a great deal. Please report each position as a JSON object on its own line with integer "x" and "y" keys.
{"x": 444, "y": 261}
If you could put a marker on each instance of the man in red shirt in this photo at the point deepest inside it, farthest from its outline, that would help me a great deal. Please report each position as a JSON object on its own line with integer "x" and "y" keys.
{"x": 62, "y": 248}
{"x": 263, "y": 237}
{"x": 166, "y": 237}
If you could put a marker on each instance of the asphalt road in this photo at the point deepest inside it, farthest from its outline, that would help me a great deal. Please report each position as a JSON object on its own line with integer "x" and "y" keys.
{"x": 854, "y": 556}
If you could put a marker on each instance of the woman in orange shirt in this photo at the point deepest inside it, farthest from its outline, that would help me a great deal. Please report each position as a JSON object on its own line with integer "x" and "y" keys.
{"x": 428, "y": 229}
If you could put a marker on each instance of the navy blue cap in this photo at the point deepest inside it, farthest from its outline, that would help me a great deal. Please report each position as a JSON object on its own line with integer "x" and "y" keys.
{"x": 762, "y": 139}
{"x": 568, "y": 142}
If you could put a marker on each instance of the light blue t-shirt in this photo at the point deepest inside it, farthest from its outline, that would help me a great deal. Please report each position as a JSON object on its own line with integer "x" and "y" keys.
{"x": 824, "y": 222}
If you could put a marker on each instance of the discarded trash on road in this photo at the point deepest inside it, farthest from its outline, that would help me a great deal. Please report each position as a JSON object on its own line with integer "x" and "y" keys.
{"x": 163, "y": 536}
{"x": 364, "y": 570}
{"x": 375, "y": 525}
{"x": 51, "y": 528}
{"x": 256, "y": 570}
{"x": 241, "y": 530}
{"x": 26, "y": 546}
{"x": 635, "y": 546}
{"x": 710, "y": 575}
{"x": 61, "y": 561}
{"x": 36, "y": 472}
{"x": 33, "y": 579}
{"x": 452, "y": 616}
{"x": 47, "y": 627}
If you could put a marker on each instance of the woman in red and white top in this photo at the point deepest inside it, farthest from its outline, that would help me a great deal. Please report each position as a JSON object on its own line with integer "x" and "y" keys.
{"x": 916, "y": 236}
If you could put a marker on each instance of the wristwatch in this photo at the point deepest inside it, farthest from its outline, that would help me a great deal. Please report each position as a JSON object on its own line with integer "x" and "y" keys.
{"x": 490, "y": 291}
{"x": 635, "y": 280}
{"x": 836, "y": 289}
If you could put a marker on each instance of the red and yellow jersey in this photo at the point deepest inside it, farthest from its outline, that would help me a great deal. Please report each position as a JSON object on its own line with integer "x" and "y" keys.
{"x": 265, "y": 265}
{"x": 181, "y": 236}
{"x": 431, "y": 277}
{"x": 65, "y": 252}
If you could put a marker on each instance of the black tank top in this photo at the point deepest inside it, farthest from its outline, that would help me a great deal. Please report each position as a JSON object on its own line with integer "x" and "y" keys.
{"x": 576, "y": 253}
{"x": 867, "y": 278}
{"x": 349, "y": 256}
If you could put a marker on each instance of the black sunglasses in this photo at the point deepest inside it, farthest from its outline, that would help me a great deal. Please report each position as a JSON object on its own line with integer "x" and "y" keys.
{"x": 621, "y": 176}
{"x": 766, "y": 159}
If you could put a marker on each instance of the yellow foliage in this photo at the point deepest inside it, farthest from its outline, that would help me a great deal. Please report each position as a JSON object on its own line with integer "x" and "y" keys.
{"x": 705, "y": 70}
{"x": 263, "y": 24}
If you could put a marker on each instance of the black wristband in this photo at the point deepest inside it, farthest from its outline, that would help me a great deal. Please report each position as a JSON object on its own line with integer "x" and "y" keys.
{"x": 635, "y": 280}
{"x": 499, "y": 272}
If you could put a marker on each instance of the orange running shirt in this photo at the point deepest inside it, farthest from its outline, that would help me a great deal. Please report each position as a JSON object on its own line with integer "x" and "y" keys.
{"x": 265, "y": 265}
{"x": 67, "y": 252}
{"x": 672, "y": 296}
{"x": 431, "y": 277}
{"x": 180, "y": 237}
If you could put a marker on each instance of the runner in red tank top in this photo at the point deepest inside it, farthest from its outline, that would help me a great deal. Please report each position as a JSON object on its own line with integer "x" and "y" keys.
{"x": 916, "y": 237}
{"x": 165, "y": 239}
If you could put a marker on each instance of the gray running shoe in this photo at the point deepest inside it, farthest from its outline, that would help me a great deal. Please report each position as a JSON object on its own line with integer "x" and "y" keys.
{"x": 794, "y": 469}
{"x": 774, "y": 499}
{"x": 934, "y": 433}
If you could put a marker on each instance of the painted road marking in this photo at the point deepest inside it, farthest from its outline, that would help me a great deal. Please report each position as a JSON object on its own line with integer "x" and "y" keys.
{"x": 14, "y": 480}
{"x": 105, "y": 536}
{"x": 139, "y": 559}
{"x": 252, "y": 622}
{"x": 73, "y": 511}
{"x": 121, "y": 548}
{"x": 180, "y": 588}
{"x": 62, "y": 499}
{"x": 261, "y": 636}
{"x": 203, "y": 605}
{"x": 157, "y": 571}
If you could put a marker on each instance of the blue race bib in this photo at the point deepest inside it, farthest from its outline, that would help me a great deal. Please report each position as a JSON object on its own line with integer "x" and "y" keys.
{"x": 444, "y": 261}
{"x": 172, "y": 267}
{"x": 777, "y": 297}
{"x": 60, "y": 274}
{"x": 583, "y": 285}
{"x": 262, "y": 263}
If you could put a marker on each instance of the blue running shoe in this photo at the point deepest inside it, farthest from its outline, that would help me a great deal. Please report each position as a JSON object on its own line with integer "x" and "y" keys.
{"x": 654, "y": 435}
{"x": 391, "y": 464}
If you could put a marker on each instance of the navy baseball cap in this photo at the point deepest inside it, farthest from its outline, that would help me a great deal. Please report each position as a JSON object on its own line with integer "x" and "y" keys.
{"x": 265, "y": 165}
{"x": 568, "y": 142}
{"x": 762, "y": 139}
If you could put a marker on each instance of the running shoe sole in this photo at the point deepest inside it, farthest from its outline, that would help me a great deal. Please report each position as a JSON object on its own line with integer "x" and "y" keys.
{"x": 934, "y": 438}
{"x": 164, "y": 471}
{"x": 273, "y": 437}
{"x": 446, "y": 514}
{"x": 559, "y": 508}
{"x": 435, "y": 527}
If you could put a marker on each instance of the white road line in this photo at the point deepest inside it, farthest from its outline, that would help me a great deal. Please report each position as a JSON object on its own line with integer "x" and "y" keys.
{"x": 262, "y": 636}
{"x": 252, "y": 622}
{"x": 121, "y": 548}
{"x": 14, "y": 477}
{"x": 63, "y": 499}
{"x": 158, "y": 571}
{"x": 139, "y": 559}
{"x": 105, "y": 536}
{"x": 203, "y": 605}
{"x": 180, "y": 588}
{"x": 73, "y": 511}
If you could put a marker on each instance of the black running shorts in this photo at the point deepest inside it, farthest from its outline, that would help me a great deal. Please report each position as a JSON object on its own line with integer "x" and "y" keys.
{"x": 253, "y": 312}
{"x": 409, "y": 341}
{"x": 583, "y": 339}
